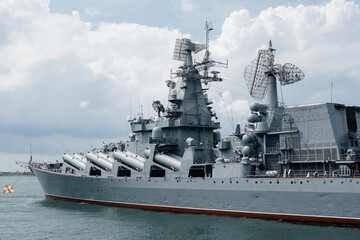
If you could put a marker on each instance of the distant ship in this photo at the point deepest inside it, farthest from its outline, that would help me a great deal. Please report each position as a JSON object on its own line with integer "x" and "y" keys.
{"x": 289, "y": 162}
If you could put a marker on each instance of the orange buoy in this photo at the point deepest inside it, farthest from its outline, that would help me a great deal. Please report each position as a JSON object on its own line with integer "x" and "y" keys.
{"x": 5, "y": 189}
{"x": 11, "y": 189}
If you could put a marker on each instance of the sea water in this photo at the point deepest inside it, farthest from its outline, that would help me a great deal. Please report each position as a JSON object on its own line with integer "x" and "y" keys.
{"x": 26, "y": 214}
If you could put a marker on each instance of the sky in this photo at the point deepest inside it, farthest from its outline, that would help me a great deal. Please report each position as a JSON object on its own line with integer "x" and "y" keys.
{"x": 72, "y": 71}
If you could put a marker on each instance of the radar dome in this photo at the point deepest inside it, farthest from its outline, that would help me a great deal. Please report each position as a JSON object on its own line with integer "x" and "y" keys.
{"x": 257, "y": 107}
{"x": 247, "y": 138}
{"x": 253, "y": 118}
{"x": 247, "y": 150}
{"x": 173, "y": 93}
{"x": 157, "y": 133}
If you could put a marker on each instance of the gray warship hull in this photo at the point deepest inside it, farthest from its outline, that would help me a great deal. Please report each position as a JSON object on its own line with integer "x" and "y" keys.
{"x": 301, "y": 199}
{"x": 290, "y": 162}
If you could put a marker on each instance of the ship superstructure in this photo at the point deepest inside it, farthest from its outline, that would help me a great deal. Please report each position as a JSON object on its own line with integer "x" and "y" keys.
{"x": 290, "y": 162}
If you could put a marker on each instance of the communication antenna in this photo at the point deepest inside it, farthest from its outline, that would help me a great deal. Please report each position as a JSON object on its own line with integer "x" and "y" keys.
{"x": 257, "y": 74}
{"x": 30, "y": 153}
{"x": 206, "y": 59}
{"x": 332, "y": 85}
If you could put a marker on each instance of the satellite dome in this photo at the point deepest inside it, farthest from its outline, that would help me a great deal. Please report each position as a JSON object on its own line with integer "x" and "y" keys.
{"x": 157, "y": 133}
{"x": 173, "y": 93}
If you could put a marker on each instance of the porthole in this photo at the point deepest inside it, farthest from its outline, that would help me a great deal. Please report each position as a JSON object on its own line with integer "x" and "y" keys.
{"x": 300, "y": 182}
{"x": 291, "y": 182}
{"x": 237, "y": 181}
{"x": 270, "y": 182}
{"x": 255, "y": 182}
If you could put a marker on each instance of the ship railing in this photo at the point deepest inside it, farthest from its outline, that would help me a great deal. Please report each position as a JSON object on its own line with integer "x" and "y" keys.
{"x": 282, "y": 129}
{"x": 310, "y": 173}
{"x": 312, "y": 157}
{"x": 152, "y": 140}
{"x": 346, "y": 157}
{"x": 272, "y": 150}
{"x": 162, "y": 141}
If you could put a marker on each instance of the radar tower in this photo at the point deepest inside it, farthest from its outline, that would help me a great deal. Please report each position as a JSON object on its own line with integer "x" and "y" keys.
{"x": 261, "y": 74}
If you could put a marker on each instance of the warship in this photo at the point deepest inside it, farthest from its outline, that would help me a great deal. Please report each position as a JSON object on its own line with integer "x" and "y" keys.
{"x": 296, "y": 163}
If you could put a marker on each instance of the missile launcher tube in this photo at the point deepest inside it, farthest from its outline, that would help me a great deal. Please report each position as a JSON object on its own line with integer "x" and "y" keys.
{"x": 105, "y": 157}
{"x": 134, "y": 155}
{"x": 167, "y": 161}
{"x": 100, "y": 161}
{"x": 73, "y": 161}
{"x": 80, "y": 157}
{"x": 129, "y": 160}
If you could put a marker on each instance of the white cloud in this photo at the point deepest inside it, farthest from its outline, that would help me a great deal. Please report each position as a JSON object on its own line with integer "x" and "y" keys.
{"x": 187, "y": 5}
{"x": 320, "y": 39}
{"x": 84, "y": 104}
{"x": 91, "y": 12}
{"x": 50, "y": 63}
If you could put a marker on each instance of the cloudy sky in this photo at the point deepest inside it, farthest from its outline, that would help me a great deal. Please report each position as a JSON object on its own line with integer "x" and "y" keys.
{"x": 72, "y": 71}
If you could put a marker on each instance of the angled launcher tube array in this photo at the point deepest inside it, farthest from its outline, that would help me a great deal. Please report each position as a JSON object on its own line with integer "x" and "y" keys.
{"x": 130, "y": 159}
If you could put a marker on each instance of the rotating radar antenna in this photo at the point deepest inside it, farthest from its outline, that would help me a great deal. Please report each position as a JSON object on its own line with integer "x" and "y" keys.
{"x": 257, "y": 72}
{"x": 183, "y": 45}
{"x": 182, "y": 52}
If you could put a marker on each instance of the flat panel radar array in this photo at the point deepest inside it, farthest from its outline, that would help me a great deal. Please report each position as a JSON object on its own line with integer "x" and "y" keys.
{"x": 257, "y": 73}
{"x": 183, "y": 45}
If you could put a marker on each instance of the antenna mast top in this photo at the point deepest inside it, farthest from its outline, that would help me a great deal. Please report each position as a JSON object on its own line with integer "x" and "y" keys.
{"x": 208, "y": 28}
